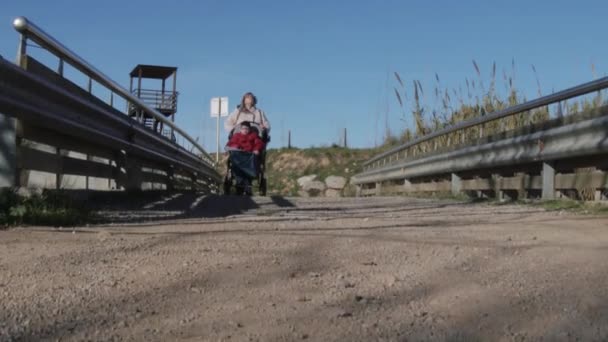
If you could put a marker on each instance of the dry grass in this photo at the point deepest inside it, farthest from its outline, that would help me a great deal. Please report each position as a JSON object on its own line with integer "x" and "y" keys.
{"x": 447, "y": 110}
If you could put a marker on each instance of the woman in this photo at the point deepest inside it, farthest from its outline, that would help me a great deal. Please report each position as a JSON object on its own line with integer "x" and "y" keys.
{"x": 247, "y": 111}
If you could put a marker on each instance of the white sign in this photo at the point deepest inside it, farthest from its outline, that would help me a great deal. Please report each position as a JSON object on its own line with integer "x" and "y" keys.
{"x": 219, "y": 106}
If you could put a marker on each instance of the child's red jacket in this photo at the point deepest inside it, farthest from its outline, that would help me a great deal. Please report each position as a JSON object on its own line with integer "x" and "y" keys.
{"x": 250, "y": 142}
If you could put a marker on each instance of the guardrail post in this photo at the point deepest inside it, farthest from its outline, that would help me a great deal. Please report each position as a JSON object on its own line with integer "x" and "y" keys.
{"x": 548, "y": 181}
{"x": 378, "y": 188}
{"x": 59, "y": 174}
{"x": 8, "y": 152}
{"x": 456, "y": 184}
{"x": 134, "y": 174}
{"x": 170, "y": 178}
{"x": 522, "y": 191}
{"x": 407, "y": 186}
{"x": 501, "y": 195}
{"x": 193, "y": 185}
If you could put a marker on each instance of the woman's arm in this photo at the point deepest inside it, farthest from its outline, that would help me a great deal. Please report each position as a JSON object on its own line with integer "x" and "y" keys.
{"x": 231, "y": 121}
{"x": 265, "y": 121}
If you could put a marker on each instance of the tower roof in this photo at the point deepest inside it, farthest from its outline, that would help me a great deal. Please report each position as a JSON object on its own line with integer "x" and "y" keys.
{"x": 153, "y": 71}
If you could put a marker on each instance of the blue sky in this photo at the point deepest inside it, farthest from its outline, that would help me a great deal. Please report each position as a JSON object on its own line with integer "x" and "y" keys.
{"x": 319, "y": 66}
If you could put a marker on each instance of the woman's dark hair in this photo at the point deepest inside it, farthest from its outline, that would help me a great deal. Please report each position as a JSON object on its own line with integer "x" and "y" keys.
{"x": 242, "y": 106}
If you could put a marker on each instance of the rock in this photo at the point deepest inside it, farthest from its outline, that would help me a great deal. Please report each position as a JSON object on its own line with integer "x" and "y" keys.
{"x": 347, "y": 284}
{"x": 314, "y": 188}
{"x": 345, "y": 314}
{"x": 103, "y": 236}
{"x": 333, "y": 193}
{"x": 306, "y": 179}
{"x": 303, "y": 193}
{"x": 361, "y": 300}
{"x": 335, "y": 182}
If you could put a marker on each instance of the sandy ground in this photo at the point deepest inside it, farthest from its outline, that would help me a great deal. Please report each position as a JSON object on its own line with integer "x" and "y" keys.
{"x": 281, "y": 269}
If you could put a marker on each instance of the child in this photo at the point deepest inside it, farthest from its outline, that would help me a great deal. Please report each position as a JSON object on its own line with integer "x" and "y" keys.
{"x": 243, "y": 143}
{"x": 246, "y": 140}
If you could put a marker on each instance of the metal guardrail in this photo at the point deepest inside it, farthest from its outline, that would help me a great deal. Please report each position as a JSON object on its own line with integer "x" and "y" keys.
{"x": 65, "y": 132}
{"x": 544, "y": 101}
{"x": 576, "y": 139}
{"x": 556, "y": 158}
{"x": 29, "y": 30}
{"x": 36, "y": 99}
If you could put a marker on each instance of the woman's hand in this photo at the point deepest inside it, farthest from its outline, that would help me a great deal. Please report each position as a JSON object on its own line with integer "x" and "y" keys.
{"x": 256, "y": 152}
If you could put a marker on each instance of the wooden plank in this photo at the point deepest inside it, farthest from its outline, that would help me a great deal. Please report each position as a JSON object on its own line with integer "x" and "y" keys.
{"x": 431, "y": 187}
{"x": 390, "y": 189}
{"x": 481, "y": 184}
{"x": 154, "y": 178}
{"x": 368, "y": 192}
{"x": 31, "y": 159}
{"x": 596, "y": 179}
{"x": 519, "y": 183}
{"x": 504, "y": 183}
{"x": 89, "y": 168}
{"x": 64, "y": 142}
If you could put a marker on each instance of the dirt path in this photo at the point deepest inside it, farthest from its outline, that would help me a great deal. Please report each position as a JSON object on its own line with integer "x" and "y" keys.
{"x": 274, "y": 269}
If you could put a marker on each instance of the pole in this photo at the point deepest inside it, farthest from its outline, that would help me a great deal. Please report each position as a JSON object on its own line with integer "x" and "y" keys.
{"x": 289, "y": 139}
{"x": 21, "y": 50}
{"x": 219, "y": 113}
{"x": 345, "y": 144}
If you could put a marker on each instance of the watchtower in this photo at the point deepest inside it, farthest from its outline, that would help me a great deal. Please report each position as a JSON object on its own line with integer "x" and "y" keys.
{"x": 163, "y": 100}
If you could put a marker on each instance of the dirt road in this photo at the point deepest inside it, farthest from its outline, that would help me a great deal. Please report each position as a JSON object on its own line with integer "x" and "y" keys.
{"x": 275, "y": 269}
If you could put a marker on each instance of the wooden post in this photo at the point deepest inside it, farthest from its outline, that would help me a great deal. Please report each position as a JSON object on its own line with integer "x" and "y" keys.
{"x": 548, "y": 181}
{"x": 139, "y": 110}
{"x": 59, "y": 175}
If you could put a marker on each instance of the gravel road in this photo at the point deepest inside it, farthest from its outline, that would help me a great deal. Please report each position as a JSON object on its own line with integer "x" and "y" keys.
{"x": 290, "y": 269}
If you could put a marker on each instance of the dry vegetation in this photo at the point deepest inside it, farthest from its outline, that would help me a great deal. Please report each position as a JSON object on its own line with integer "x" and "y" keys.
{"x": 447, "y": 107}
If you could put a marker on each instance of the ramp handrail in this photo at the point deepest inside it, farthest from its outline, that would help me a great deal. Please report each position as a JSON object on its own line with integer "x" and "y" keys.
{"x": 29, "y": 30}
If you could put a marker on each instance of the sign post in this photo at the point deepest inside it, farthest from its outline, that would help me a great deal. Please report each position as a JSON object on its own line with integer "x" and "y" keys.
{"x": 219, "y": 108}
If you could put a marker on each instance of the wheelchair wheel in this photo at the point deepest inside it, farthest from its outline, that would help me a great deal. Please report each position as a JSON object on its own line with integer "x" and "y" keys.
{"x": 227, "y": 184}
{"x": 227, "y": 187}
{"x": 239, "y": 190}
{"x": 263, "y": 187}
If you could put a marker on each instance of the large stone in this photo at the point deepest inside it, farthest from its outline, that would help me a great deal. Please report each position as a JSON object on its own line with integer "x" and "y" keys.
{"x": 335, "y": 182}
{"x": 314, "y": 188}
{"x": 334, "y": 193}
{"x": 303, "y": 193}
{"x": 306, "y": 179}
